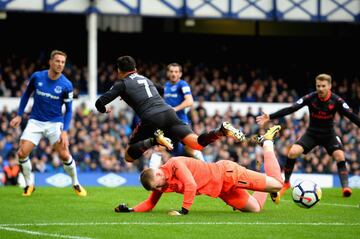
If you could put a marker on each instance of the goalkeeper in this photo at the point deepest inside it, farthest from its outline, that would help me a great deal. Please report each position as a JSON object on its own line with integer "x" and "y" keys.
{"x": 224, "y": 179}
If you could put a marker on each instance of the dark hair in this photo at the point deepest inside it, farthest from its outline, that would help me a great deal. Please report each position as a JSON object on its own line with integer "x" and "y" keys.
{"x": 125, "y": 63}
{"x": 174, "y": 65}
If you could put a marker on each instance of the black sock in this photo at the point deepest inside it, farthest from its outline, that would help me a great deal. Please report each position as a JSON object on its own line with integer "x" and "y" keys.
{"x": 208, "y": 138}
{"x": 288, "y": 169}
{"x": 137, "y": 149}
{"x": 343, "y": 174}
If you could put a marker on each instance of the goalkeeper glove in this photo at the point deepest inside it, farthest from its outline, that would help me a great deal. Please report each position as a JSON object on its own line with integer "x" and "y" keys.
{"x": 123, "y": 208}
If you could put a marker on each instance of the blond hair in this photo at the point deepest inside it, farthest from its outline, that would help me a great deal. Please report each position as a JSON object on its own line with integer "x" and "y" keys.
{"x": 57, "y": 52}
{"x": 324, "y": 77}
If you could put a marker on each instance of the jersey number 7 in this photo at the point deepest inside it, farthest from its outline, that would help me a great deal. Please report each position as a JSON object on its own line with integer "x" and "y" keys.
{"x": 147, "y": 88}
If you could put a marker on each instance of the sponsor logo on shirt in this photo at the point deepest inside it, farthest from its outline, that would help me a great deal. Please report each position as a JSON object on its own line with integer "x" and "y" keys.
{"x": 41, "y": 93}
{"x": 170, "y": 95}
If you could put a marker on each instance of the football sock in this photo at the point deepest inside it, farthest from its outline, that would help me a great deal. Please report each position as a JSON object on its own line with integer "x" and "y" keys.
{"x": 198, "y": 155}
{"x": 271, "y": 164}
{"x": 25, "y": 166}
{"x": 343, "y": 174}
{"x": 70, "y": 169}
{"x": 155, "y": 160}
{"x": 210, "y": 137}
{"x": 289, "y": 167}
{"x": 137, "y": 149}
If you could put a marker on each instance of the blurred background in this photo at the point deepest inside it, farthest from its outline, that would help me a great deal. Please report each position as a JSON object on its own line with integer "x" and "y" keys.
{"x": 240, "y": 57}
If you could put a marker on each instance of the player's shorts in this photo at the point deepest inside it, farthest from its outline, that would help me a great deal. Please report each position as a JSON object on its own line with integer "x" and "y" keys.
{"x": 36, "y": 129}
{"x": 237, "y": 180}
{"x": 167, "y": 121}
{"x": 330, "y": 142}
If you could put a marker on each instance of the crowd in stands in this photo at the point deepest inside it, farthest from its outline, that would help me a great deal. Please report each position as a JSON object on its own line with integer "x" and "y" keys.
{"x": 97, "y": 141}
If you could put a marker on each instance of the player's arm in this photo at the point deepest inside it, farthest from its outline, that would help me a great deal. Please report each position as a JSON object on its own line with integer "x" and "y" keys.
{"x": 159, "y": 88}
{"x": 345, "y": 110}
{"x": 15, "y": 122}
{"x": 188, "y": 99}
{"x": 144, "y": 206}
{"x": 262, "y": 119}
{"x": 68, "y": 99}
{"x": 184, "y": 175}
{"x": 109, "y": 96}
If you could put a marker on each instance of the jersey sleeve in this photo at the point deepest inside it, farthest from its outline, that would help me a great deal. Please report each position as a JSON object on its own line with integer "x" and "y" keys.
{"x": 149, "y": 203}
{"x": 184, "y": 175}
{"x": 26, "y": 96}
{"x": 109, "y": 96}
{"x": 344, "y": 109}
{"x": 291, "y": 109}
{"x": 68, "y": 98}
{"x": 185, "y": 88}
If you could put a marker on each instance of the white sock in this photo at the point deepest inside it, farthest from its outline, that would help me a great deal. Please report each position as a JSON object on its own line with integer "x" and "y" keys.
{"x": 198, "y": 155}
{"x": 26, "y": 169}
{"x": 268, "y": 145}
{"x": 155, "y": 161}
{"x": 70, "y": 168}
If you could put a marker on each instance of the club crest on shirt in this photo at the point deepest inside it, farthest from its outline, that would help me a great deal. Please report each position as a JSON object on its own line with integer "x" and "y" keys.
{"x": 58, "y": 89}
{"x": 40, "y": 84}
{"x": 173, "y": 88}
{"x": 331, "y": 106}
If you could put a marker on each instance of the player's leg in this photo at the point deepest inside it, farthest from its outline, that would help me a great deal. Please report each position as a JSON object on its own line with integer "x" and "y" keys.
{"x": 335, "y": 148}
{"x": 240, "y": 199}
{"x": 28, "y": 140}
{"x": 193, "y": 153}
{"x": 199, "y": 142}
{"x": 142, "y": 139}
{"x": 342, "y": 171}
{"x": 53, "y": 134}
{"x": 25, "y": 165}
{"x": 302, "y": 146}
{"x": 156, "y": 158}
{"x": 226, "y": 129}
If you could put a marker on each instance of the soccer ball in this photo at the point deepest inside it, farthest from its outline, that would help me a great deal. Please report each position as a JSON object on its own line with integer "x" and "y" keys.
{"x": 306, "y": 194}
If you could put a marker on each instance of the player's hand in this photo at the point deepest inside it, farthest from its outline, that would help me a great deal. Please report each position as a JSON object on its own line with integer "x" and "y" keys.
{"x": 64, "y": 140}
{"x": 15, "y": 122}
{"x": 123, "y": 208}
{"x": 262, "y": 119}
{"x": 181, "y": 212}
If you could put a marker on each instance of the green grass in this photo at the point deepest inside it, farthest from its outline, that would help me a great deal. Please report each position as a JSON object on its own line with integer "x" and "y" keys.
{"x": 59, "y": 213}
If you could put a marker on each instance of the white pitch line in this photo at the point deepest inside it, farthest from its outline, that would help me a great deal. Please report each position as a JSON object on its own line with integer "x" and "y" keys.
{"x": 329, "y": 204}
{"x": 179, "y": 223}
{"x": 5, "y": 228}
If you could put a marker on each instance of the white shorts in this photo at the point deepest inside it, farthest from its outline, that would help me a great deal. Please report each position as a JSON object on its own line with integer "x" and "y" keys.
{"x": 36, "y": 129}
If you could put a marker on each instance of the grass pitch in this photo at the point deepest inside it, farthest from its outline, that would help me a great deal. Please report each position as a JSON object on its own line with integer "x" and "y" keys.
{"x": 59, "y": 213}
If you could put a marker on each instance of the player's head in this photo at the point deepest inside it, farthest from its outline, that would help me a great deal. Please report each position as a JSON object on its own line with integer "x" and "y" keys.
{"x": 57, "y": 61}
{"x": 153, "y": 179}
{"x": 174, "y": 72}
{"x": 125, "y": 64}
{"x": 323, "y": 85}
